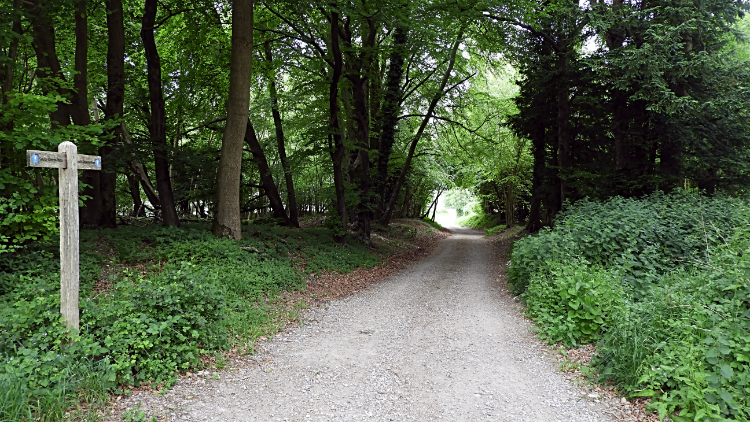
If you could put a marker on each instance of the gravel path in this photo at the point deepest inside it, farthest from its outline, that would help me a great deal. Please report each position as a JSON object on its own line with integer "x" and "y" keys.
{"x": 440, "y": 341}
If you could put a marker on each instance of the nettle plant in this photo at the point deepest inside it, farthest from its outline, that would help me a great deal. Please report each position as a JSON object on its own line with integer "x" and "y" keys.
{"x": 573, "y": 303}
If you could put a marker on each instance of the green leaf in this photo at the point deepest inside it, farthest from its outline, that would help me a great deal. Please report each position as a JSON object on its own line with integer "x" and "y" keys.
{"x": 711, "y": 357}
{"x": 726, "y": 371}
{"x": 726, "y": 396}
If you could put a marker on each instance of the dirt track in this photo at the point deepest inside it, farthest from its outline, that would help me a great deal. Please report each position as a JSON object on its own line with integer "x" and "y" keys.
{"x": 441, "y": 340}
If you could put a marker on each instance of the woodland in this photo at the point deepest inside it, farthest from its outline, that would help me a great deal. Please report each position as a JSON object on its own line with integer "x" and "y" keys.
{"x": 225, "y": 126}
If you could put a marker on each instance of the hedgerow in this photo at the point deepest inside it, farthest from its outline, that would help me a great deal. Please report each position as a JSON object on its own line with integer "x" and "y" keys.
{"x": 661, "y": 284}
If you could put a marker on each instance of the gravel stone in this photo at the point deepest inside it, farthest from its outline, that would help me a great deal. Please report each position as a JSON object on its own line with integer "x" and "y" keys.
{"x": 442, "y": 340}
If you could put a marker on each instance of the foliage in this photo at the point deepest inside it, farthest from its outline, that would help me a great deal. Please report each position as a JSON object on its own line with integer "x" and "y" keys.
{"x": 48, "y": 372}
{"x": 153, "y": 327}
{"x": 643, "y": 238}
{"x": 661, "y": 283}
{"x": 628, "y": 98}
{"x": 458, "y": 199}
{"x": 487, "y": 157}
{"x": 687, "y": 344}
{"x": 573, "y": 303}
{"x": 478, "y": 219}
{"x": 494, "y": 230}
{"x": 28, "y": 198}
{"x": 170, "y": 296}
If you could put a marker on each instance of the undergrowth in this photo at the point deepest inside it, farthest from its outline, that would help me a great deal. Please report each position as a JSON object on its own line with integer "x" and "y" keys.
{"x": 478, "y": 219}
{"x": 662, "y": 285}
{"x": 168, "y": 297}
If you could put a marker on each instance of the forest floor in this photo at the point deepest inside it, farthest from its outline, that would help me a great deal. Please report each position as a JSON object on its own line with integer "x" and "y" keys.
{"x": 432, "y": 335}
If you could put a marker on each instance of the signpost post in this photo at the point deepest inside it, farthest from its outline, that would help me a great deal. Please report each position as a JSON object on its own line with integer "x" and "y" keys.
{"x": 68, "y": 161}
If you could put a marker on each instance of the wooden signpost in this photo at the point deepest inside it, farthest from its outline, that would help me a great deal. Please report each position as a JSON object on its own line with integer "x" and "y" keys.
{"x": 68, "y": 161}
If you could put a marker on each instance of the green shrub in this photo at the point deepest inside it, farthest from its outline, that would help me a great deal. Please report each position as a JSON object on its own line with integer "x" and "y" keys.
{"x": 478, "y": 220}
{"x": 688, "y": 344}
{"x": 153, "y": 327}
{"x": 37, "y": 357}
{"x": 669, "y": 275}
{"x": 533, "y": 254}
{"x": 197, "y": 294}
{"x": 494, "y": 230}
{"x": 642, "y": 238}
{"x": 573, "y": 303}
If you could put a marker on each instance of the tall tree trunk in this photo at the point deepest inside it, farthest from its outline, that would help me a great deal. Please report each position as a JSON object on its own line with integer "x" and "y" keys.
{"x": 7, "y": 84}
{"x": 79, "y": 108}
{"x": 158, "y": 125}
{"x": 671, "y": 159}
{"x": 361, "y": 67}
{"x": 564, "y": 131}
{"x": 227, "y": 221}
{"x": 280, "y": 141}
{"x": 539, "y": 151}
{"x": 335, "y": 140}
{"x": 430, "y": 110}
{"x": 135, "y": 193}
{"x": 79, "y": 103}
{"x": 389, "y": 115}
{"x": 510, "y": 203}
{"x": 48, "y": 66}
{"x": 266, "y": 176}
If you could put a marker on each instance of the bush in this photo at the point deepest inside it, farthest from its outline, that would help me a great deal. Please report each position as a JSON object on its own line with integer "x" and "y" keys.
{"x": 494, "y": 230}
{"x": 573, "y": 303}
{"x": 662, "y": 284}
{"x": 47, "y": 370}
{"x": 688, "y": 344}
{"x": 153, "y": 327}
{"x": 479, "y": 220}
{"x": 171, "y": 295}
{"x": 644, "y": 238}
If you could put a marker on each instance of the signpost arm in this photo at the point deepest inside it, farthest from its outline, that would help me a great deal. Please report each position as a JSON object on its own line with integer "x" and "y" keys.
{"x": 69, "y": 235}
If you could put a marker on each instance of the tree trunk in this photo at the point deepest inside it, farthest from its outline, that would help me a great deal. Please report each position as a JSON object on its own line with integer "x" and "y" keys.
{"x": 281, "y": 142}
{"x": 564, "y": 132}
{"x": 671, "y": 160}
{"x": 359, "y": 71}
{"x": 266, "y": 177}
{"x": 537, "y": 181}
{"x": 7, "y": 86}
{"x": 227, "y": 221}
{"x": 79, "y": 103}
{"x": 140, "y": 172}
{"x": 430, "y": 110}
{"x": 158, "y": 125}
{"x": 48, "y": 66}
{"x": 335, "y": 140}
{"x": 389, "y": 115}
{"x": 91, "y": 211}
{"x": 135, "y": 193}
{"x": 510, "y": 203}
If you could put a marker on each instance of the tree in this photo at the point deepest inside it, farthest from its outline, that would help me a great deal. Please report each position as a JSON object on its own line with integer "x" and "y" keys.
{"x": 157, "y": 126}
{"x": 226, "y": 221}
{"x": 280, "y": 140}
